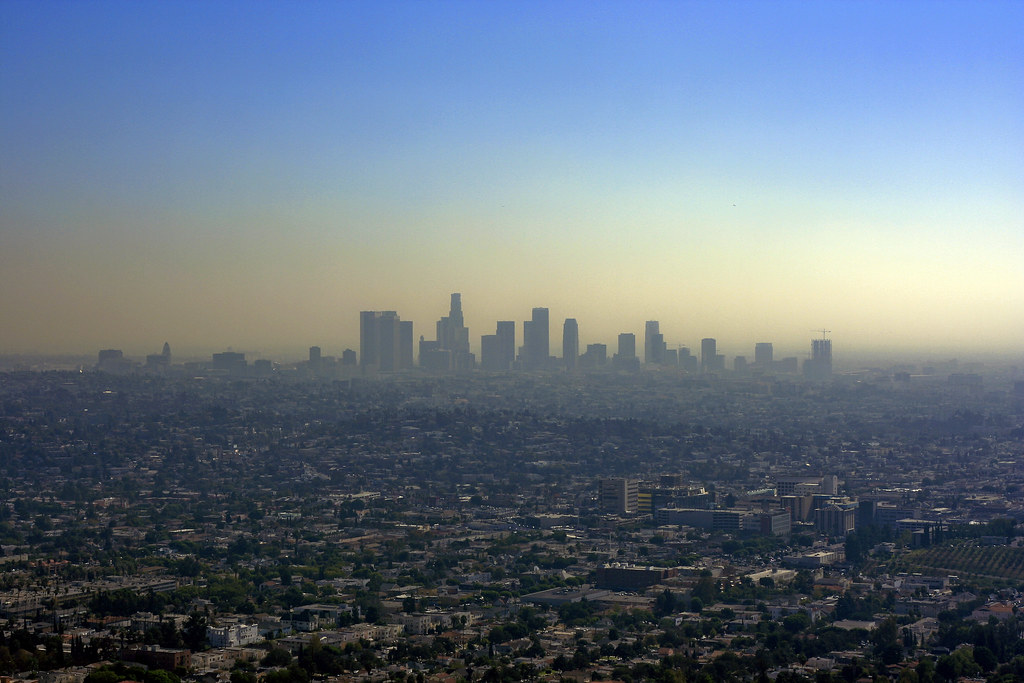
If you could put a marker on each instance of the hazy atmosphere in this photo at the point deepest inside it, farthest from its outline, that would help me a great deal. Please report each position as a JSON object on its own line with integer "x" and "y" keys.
{"x": 254, "y": 174}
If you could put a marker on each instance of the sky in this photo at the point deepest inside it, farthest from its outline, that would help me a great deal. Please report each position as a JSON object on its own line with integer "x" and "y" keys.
{"x": 253, "y": 174}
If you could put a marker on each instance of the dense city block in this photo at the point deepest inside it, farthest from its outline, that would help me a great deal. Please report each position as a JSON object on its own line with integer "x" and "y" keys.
{"x": 619, "y": 525}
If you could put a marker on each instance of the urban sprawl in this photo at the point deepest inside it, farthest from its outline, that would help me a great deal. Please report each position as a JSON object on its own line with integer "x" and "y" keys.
{"x": 510, "y": 518}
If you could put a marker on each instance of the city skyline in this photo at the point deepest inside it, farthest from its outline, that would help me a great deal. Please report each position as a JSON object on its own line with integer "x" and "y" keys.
{"x": 405, "y": 343}
{"x": 220, "y": 175}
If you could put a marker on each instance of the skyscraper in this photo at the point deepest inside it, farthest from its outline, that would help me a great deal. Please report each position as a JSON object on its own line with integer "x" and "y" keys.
{"x": 490, "y": 354}
{"x": 451, "y": 332}
{"x": 708, "y": 355}
{"x": 498, "y": 350}
{"x": 819, "y": 365}
{"x": 536, "y": 344}
{"x": 451, "y": 350}
{"x": 654, "y": 344}
{"x": 763, "y": 354}
{"x": 405, "y": 345}
{"x": 389, "y": 341}
{"x": 626, "y": 358}
{"x": 369, "y": 352}
{"x": 506, "y": 332}
{"x": 380, "y": 341}
{"x": 570, "y": 343}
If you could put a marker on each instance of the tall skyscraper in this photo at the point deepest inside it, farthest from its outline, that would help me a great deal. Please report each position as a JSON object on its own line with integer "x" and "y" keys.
{"x": 451, "y": 350}
{"x": 451, "y": 332}
{"x": 763, "y": 354}
{"x": 405, "y": 345}
{"x": 369, "y": 352}
{"x": 654, "y": 344}
{"x": 380, "y": 341}
{"x": 498, "y": 350}
{"x": 819, "y": 365}
{"x": 708, "y": 355}
{"x": 389, "y": 341}
{"x": 536, "y": 344}
{"x": 506, "y": 332}
{"x": 570, "y": 343}
{"x": 626, "y": 358}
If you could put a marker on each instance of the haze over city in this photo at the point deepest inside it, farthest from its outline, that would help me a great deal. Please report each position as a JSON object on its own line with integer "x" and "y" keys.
{"x": 228, "y": 174}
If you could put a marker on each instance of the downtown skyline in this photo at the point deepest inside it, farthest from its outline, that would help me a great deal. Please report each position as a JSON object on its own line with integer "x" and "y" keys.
{"x": 536, "y": 340}
{"x": 223, "y": 175}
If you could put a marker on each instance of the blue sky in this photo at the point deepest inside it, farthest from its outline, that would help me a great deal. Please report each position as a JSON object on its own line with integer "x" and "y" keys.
{"x": 254, "y": 174}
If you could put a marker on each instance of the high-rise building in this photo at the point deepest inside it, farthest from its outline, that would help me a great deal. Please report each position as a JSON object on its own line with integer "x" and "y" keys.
{"x": 506, "y": 332}
{"x": 389, "y": 341}
{"x": 405, "y": 361}
{"x": 763, "y": 354}
{"x": 708, "y": 355}
{"x": 626, "y": 358}
{"x": 380, "y": 341}
{"x": 687, "y": 361}
{"x": 451, "y": 331}
{"x": 159, "y": 362}
{"x": 596, "y": 356}
{"x": 369, "y": 352}
{"x": 570, "y": 343}
{"x": 619, "y": 495}
{"x": 451, "y": 350}
{"x": 654, "y": 344}
{"x": 819, "y": 365}
{"x": 536, "y": 341}
{"x": 490, "y": 353}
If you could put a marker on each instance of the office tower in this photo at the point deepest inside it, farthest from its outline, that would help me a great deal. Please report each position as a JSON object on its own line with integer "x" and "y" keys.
{"x": 619, "y": 495}
{"x": 627, "y": 345}
{"x": 314, "y": 356}
{"x": 490, "y": 353}
{"x": 819, "y": 365}
{"x": 708, "y": 354}
{"x": 405, "y": 345}
{"x": 159, "y": 362}
{"x": 452, "y": 334}
{"x": 596, "y": 356}
{"x": 498, "y": 350}
{"x": 739, "y": 364}
{"x": 536, "y": 345}
{"x": 113, "y": 361}
{"x": 380, "y": 341}
{"x": 451, "y": 349}
{"x": 570, "y": 343}
{"x": 368, "y": 339}
{"x": 687, "y": 361}
{"x": 506, "y": 333}
{"x": 763, "y": 354}
{"x": 626, "y": 358}
{"x": 389, "y": 341}
{"x": 821, "y": 351}
{"x": 231, "y": 362}
{"x": 654, "y": 344}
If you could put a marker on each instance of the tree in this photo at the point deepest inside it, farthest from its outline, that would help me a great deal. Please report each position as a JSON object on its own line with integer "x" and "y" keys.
{"x": 193, "y": 631}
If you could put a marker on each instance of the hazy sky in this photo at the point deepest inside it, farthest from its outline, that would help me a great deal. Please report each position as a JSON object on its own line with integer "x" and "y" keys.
{"x": 253, "y": 174}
